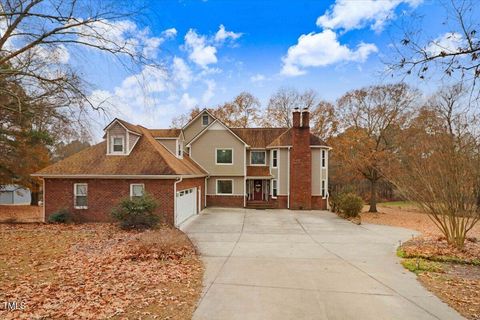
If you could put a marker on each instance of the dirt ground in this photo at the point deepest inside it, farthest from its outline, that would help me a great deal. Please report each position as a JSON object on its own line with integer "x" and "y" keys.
{"x": 21, "y": 213}
{"x": 408, "y": 217}
{"x": 450, "y": 273}
{"x": 97, "y": 271}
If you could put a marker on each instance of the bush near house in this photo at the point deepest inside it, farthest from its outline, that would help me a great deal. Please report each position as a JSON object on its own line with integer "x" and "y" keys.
{"x": 61, "y": 216}
{"x": 347, "y": 203}
{"x": 136, "y": 213}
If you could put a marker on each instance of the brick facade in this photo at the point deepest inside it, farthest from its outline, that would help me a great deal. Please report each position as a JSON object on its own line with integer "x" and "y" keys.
{"x": 300, "y": 163}
{"x": 224, "y": 201}
{"x": 105, "y": 194}
{"x": 318, "y": 203}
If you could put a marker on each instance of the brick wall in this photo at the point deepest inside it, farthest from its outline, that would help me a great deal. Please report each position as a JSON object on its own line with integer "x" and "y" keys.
{"x": 282, "y": 202}
{"x": 300, "y": 164}
{"x": 224, "y": 201}
{"x": 103, "y": 195}
{"x": 318, "y": 203}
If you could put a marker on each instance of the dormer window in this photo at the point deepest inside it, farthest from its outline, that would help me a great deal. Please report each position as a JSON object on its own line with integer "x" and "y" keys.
{"x": 205, "y": 120}
{"x": 179, "y": 149}
{"x": 118, "y": 145}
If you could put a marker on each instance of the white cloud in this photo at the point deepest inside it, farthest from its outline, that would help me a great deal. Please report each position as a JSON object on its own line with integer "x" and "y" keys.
{"x": 181, "y": 72}
{"x": 210, "y": 92}
{"x": 319, "y": 50}
{"x": 223, "y": 35}
{"x": 187, "y": 102}
{"x": 448, "y": 43}
{"x": 169, "y": 33}
{"x": 200, "y": 53}
{"x": 257, "y": 78}
{"x": 348, "y": 15}
{"x": 122, "y": 35}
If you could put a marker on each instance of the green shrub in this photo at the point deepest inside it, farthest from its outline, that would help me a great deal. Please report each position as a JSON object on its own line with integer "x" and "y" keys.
{"x": 61, "y": 216}
{"x": 350, "y": 204}
{"x": 136, "y": 213}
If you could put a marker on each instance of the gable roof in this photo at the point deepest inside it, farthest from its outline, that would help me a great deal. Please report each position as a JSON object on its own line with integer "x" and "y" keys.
{"x": 165, "y": 133}
{"x": 127, "y": 125}
{"x": 198, "y": 115}
{"x": 211, "y": 124}
{"x": 148, "y": 158}
{"x": 258, "y": 137}
{"x": 285, "y": 139}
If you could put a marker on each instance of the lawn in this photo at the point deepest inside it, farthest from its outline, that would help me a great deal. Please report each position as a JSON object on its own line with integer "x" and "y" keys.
{"x": 95, "y": 271}
{"x": 451, "y": 274}
{"x": 20, "y": 213}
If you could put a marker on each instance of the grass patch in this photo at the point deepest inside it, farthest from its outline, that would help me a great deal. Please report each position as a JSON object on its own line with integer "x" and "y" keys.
{"x": 417, "y": 265}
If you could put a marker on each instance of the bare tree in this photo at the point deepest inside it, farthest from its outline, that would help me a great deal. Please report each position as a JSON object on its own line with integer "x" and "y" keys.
{"x": 282, "y": 103}
{"x": 38, "y": 36}
{"x": 440, "y": 164}
{"x": 324, "y": 122}
{"x": 370, "y": 119}
{"x": 456, "y": 52}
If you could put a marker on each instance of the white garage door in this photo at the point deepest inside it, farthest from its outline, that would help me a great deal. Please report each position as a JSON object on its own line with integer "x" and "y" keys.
{"x": 186, "y": 205}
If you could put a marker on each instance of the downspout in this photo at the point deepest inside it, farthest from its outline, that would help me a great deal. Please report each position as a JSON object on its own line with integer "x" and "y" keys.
{"x": 288, "y": 176}
{"x": 175, "y": 199}
{"x": 43, "y": 200}
{"x": 205, "y": 192}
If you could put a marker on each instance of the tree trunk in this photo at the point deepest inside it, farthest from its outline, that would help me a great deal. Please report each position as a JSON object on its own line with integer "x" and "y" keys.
{"x": 373, "y": 196}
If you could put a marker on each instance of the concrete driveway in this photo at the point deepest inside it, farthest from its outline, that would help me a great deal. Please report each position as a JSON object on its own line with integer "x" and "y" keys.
{"x": 280, "y": 264}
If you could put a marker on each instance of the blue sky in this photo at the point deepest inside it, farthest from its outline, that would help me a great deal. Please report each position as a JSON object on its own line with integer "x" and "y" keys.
{"x": 213, "y": 50}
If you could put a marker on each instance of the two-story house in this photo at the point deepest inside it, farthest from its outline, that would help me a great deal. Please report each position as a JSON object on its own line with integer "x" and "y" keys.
{"x": 205, "y": 163}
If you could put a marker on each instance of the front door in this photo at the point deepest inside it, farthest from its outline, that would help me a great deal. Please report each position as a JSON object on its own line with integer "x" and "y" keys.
{"x": 257, "y": 190}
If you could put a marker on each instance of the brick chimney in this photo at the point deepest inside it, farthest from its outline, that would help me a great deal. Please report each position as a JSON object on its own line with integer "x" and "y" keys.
{"x": 301, "y": 162}
{"x": 296, "y": 118}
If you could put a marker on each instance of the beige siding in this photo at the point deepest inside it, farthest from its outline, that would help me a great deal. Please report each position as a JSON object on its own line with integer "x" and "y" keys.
{"x": 132, "y": 139}
{"x": 238, "y": 185}
{"x": 316, "y": 179}
{"x": 118, "y": 131}
{"x": 195, "y": 127}
{"x": 203, "y": 151}
{"x": 170, "y": 144}
{"x": 283, "y": 171}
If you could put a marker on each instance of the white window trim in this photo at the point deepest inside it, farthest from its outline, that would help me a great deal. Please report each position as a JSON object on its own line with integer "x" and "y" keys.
{"x": 216, "y": 187}
{"x": 276, "y": 187}
{"x": 75, "y": 195}
{"x": 223, "y": 164}
{"x": 179, "y": 147}
{"x": 112, "y": 139}
{"x": 323, "y": 188}
{"x": 323, "y": 158}
{"x": 208, "y": 118}
{"x": 136, "y": 184}
{"x": 258, "y": 164}
{"x": 271, "y": 156}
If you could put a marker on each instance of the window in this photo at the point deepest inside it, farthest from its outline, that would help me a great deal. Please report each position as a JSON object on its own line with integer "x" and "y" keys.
{"x": 274, "y": 188}
{"x": 137, "y": 190}
{"x": 117, "y": 145}
{"x": 80, "y": 190}
{"x": 224, "y": 186}
{"x": 205, "y": 119}
{"x": 180, "y": 149}
{"x": 324, "y": 158}
{"x": 274, "y": 158}
{"x": 324, "y": 191}
{"x": 224, "y": 156}
{"x": 257, "y": 157}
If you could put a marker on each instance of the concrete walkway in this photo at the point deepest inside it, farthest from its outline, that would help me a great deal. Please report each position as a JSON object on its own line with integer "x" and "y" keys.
{"x": 280, "y": 264}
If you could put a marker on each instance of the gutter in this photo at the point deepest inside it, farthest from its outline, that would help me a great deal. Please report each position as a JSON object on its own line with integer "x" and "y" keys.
{"x": 175, "y": 199}
{"x": 117, "y": 176}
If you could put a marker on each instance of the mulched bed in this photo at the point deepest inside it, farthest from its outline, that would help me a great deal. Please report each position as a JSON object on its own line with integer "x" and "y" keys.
{"x": 96, "y": 271}
{"x": 456, "y": 278}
